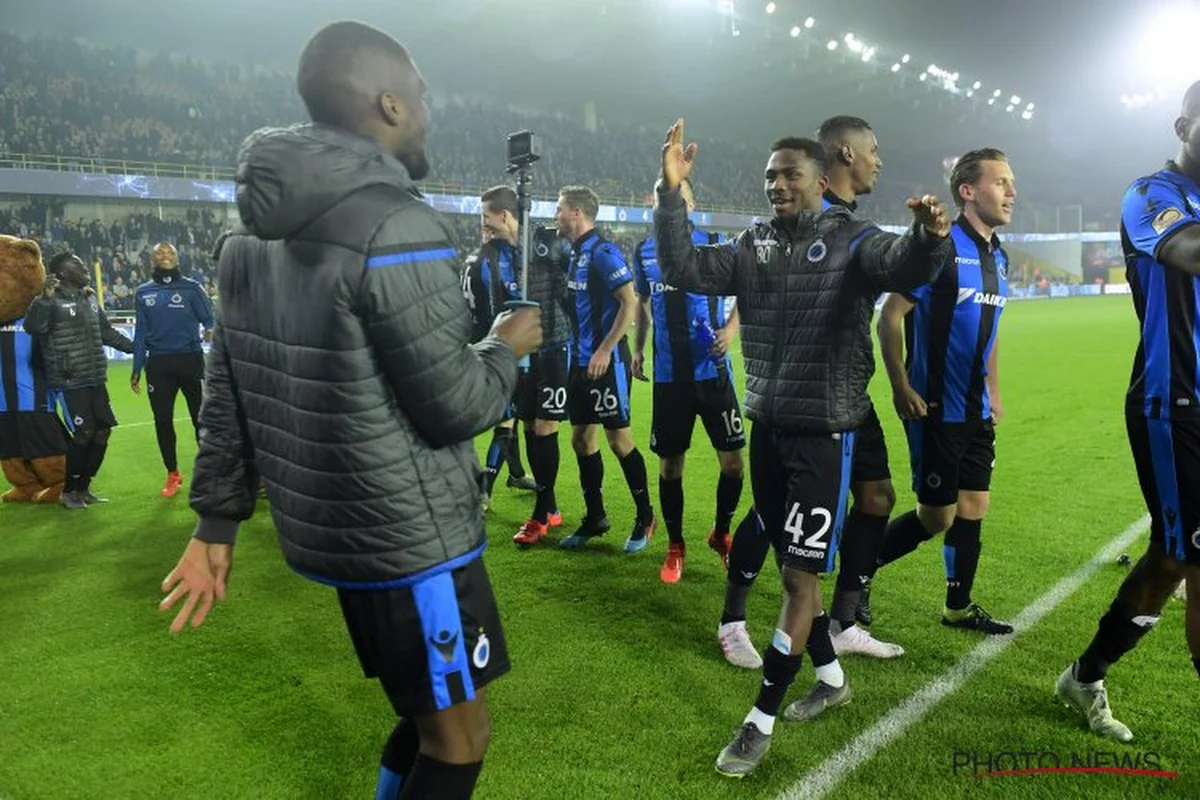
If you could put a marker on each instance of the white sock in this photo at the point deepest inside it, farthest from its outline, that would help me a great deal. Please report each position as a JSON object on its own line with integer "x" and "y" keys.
{"x": 764, "y": 722}
{"x": 832, "y": 674}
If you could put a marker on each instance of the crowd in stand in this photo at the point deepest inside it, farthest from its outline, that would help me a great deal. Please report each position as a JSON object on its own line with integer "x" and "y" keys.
{"x": 60, "y": 97}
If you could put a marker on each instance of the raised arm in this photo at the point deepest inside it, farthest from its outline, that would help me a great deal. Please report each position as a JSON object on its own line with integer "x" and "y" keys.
{"x": 904, "y": 262}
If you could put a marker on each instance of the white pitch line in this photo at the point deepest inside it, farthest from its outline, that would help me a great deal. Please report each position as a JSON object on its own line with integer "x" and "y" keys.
{"x": 825, "y": 778}
{"x": 143, "y": 424}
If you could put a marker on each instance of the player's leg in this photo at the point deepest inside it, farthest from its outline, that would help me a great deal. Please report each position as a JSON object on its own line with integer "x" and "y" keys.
{"x": 935, "y": 450}
{"x": 192, "y": 385}
{"x": 502, "y": 436}
{"x": 718, "y": 407}
{"x": 831, "y": 688}
{"x": 799, "y": 491}
{"x": 1138, "y": 604}
{"x": 746, "y": 557}
{"x": 104, "y": 420}
{"x": 434, "y": 647}
{"x": 585, "y": 401}
{"x": 517, "y": 477}
{"x": 77, "y": 413}
{"x": 163, "y": 382}
{"x": 616, "y": 418}
{"x": 542, "y": 405}
{"x": 1192, "y": 572}
{"x": 672, "y": 420}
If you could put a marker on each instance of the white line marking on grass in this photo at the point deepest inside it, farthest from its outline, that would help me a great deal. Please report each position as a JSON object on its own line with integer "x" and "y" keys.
{"x": 143, "y": 424}
{"x": 822, "y": 780}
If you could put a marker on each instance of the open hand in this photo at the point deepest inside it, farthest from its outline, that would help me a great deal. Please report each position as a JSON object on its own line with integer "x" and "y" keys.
{"x": 676, "y": 156}
{"x": 931, "y": 215}
{"x": 199, "y": 576}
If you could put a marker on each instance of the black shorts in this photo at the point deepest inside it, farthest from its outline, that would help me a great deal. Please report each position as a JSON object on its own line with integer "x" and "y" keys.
{"x": 676, "y": 406}
{"x": 87, "y": 408}
{"x": 542, "y": 392}
{"x": 949, "y": 457}
{"x": 604, "y": 401}
{"x": 431, "y": 644}
{"x": 1167, "y": 457}
{"x": 870, "y": 452}
{"x": 801, "y": 486}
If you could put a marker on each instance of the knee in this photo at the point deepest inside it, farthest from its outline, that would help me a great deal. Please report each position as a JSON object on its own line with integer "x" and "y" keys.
{"x": 621, "y": 441}
{"x": 460, "y": 736}
{"x": 732, "y": 464}
{"x": 973, "y": 505}
{"x": 875, "y": 498}
{"x": 797, "y": 584}
{"x": 83, "y": 436}
{"x": 671, "y": 469}
{"x": 936, "y": 519}
{"x": 100, "y": 437}
{"x": 581, "y": 441}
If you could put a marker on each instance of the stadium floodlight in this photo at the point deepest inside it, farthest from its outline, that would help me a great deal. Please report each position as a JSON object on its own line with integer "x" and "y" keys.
{"x": 977, "y": 85}
{"x": 832, "y": 45}
{"x": 808, "y": 23}
{"x": 1166, "y": 49}
{"x": 996, "y": 93}
{"x": 924, "y": 75}
{"x": 1015, "y": 100}
{"x": 1027, "y": 115}
{"x": 970, "y": 92}
{"x": 991, "y": 101}
{"x": 1029, "y": 107}
{"x": 795, "y": 31}
{"x": 904, "y": 59}
{"x": 855, "y": 46}
{"x": 866, "y": 56}
{"x": 849, "y": 37}
{"x": 1010, "y": 108}
{"x": 895, "y": 67}
{"x": 770, "y": 8}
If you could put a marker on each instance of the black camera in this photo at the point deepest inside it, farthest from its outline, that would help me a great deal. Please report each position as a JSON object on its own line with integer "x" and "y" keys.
{"x": 523, "y": 150}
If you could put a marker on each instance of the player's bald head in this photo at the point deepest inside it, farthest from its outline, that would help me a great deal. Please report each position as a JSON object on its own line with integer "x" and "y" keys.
{"x": 1191, "y": 102}
{"x": 346, "y": 67}
{"x": 357, "y": 78}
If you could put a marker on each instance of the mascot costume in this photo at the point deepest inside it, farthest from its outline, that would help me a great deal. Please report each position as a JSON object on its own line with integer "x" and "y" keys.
{"x": 33, "y": 442}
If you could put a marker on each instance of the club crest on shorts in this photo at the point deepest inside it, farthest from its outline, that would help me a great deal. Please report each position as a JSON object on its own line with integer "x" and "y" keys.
{"x": 482, "y": 651}
{"x": 1196, "y": 539}
{"x": 816, "y": 251}
{"x": 150, "y": 388}
{"x": 934, "y": 480}
{"x": 78, "y": 421}
{"x": 541, "y": 250}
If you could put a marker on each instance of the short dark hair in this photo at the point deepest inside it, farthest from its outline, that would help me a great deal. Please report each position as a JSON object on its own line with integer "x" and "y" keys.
{"x": 58, "y": 259}
{"x": 581, "y": 198}
{"x": 832, "y": 130}
{"x": 333, "y": 77}
{"x": 968, "y": 169}
{"x": 812, "y": 150}
{"x": 499, "y": 199}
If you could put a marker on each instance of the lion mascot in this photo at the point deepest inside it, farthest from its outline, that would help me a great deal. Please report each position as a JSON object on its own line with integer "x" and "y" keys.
{"x": 33, "y": 442}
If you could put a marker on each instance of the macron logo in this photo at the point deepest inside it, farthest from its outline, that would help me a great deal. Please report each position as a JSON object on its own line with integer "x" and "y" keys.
{"x": 970, "y": 262}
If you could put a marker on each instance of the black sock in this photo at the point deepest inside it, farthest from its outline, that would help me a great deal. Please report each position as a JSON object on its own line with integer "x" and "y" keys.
{"x": 903, "y": 536}
{"x": 544, "y": 460}
{"x": 749, "y": 549}
{"x": 495, "y": 457}
{"x": 591, "y": 479}
{"x": 778, "y": 673}
{"x": 77, "y": 465}
{"x": 634, "y": 467}
{"x": 431, "y": 779}
{"x": 729, "y": 494}
{"x": 1196, "y": 664}
{"x": 819, "y": 645}
{"x": 670, "y": 494}
{"x": 399, "y": 754}
{"x": 735, "y": 601}
{"x": 96, "y": 451}
{"x": 861, "y": 541}
{"x": 513, "y": 457}
{"x": 1116, "y": 635}
{"x": 961, "y": 552}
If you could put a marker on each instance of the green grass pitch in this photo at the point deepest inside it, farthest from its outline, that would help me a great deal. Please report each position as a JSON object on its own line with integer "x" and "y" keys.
{"x": 618, "y": 689}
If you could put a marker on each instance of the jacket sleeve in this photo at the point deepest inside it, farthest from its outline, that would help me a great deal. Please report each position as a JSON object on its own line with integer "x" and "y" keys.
{"x": 478, "y": 298}
{"x": 419, "y": 326}
{"x": 224, "y": 480}
{"x": 202, "y": 307}
{"x": 111, "y": 336}
{"x": 40, "y": 315}
{"x": 139, "y": 335}
{"x": 708, "y": 269}
{"x": 895, "y": 262}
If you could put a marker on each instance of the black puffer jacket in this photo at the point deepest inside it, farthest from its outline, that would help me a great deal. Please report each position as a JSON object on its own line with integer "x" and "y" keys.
{"x": 806, "y": 297}
{"x": 548, "y": 265}
{"x": 72, "y": 329}
{"x": 340, "y": 367}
